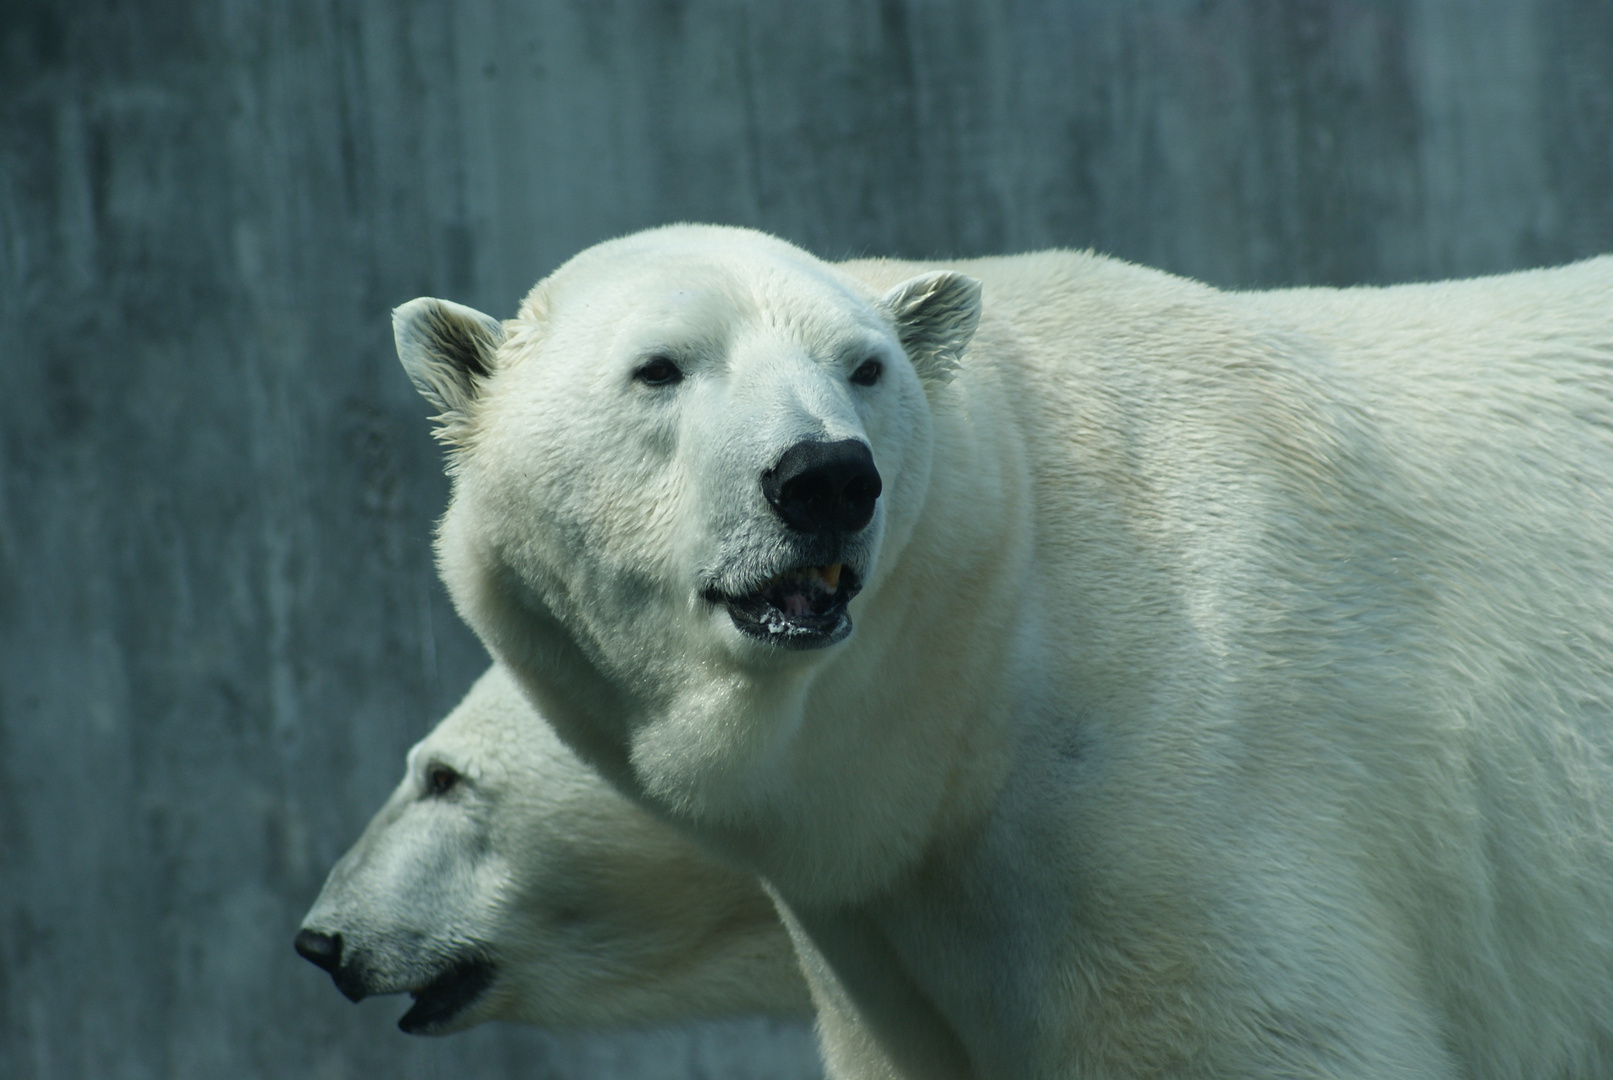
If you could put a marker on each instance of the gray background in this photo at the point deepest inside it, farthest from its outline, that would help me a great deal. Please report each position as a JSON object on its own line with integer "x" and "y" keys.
{"x": 219, "y": 626}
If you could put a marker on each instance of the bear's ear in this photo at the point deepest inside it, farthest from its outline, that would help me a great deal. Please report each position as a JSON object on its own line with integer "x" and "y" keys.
{"x": 935, "y": 316}
{"x": 448, "y": 350}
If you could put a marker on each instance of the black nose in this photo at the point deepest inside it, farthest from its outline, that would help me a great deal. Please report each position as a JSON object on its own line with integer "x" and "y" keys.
{"x": 824, "y": 486}
{"x": 322, "y": 949}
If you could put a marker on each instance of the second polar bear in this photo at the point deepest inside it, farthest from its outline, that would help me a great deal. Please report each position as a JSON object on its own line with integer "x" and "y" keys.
{"x": 1110, "y": 675}
{"x": 503, "y": 880}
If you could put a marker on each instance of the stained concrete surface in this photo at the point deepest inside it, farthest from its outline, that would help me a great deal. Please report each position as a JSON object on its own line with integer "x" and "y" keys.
{"x": 219, "y": 626}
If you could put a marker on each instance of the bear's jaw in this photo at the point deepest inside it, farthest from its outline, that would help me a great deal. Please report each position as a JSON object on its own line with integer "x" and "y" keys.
{"x": 801, "y": 608}
{"x": 446, "y": 996}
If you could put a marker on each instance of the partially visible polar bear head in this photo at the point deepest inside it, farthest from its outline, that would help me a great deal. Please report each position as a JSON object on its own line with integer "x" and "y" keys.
{"x": 503, "y": 880}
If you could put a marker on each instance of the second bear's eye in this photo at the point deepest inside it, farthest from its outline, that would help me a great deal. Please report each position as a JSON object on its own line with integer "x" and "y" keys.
{"x": 658, "y": 371}
{"x": 440, "y": 780}
{"x": 867, "y": 373}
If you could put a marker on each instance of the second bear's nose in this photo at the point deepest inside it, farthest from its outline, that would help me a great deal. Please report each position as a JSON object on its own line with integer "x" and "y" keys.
{"x": 818, "y": 487}
{"x": 319, "y": 948}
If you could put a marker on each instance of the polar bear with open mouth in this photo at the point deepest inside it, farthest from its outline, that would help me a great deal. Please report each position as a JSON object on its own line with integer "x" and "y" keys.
{"x": 1108, "y": 675}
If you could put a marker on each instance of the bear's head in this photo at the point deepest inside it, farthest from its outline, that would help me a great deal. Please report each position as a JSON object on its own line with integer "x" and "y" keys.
{"x": 676, "y": 470}
{"x": 504, "y": 880}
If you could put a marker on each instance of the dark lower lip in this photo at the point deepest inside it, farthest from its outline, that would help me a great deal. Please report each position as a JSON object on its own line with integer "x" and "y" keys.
{"x": 768, "y": 624}
{"x": 755, "y": 617}
{"x": 446, "y": 997}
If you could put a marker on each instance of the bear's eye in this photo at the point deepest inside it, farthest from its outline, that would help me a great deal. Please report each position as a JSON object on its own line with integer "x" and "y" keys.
{"x": 440, "y": 780}
{"x": 658, "y": 371}
{"x": 868, "y": 373}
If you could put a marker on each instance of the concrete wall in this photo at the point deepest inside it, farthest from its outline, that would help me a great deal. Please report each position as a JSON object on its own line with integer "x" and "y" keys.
{"x": 219, "y": 626}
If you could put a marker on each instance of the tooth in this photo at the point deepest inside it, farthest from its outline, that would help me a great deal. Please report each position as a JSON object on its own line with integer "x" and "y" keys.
{"x": 830, "y": 575}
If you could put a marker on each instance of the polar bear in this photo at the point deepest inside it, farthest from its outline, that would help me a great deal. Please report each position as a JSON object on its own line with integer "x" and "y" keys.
{"x": 503, "y": 880}
{"x": 1107, "y": 674}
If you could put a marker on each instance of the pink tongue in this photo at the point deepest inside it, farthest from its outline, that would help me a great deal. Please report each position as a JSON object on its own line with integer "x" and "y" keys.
{"x": 797, "y": 604}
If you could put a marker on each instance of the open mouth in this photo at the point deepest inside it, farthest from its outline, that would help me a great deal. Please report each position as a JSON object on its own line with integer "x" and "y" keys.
{"x": 440, "y": 1000}
{"x": 803, "y": 608}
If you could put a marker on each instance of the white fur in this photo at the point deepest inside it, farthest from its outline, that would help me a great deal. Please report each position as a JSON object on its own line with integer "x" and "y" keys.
{"x": 592, "y": 914}
{"x": 1230, "y": 692}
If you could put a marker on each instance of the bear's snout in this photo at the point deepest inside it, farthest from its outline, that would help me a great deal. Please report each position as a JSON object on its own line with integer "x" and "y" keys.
{"x": 320, "y": 948}
{"x": 824, "y": 487}
{"x": 325, "y": 951}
